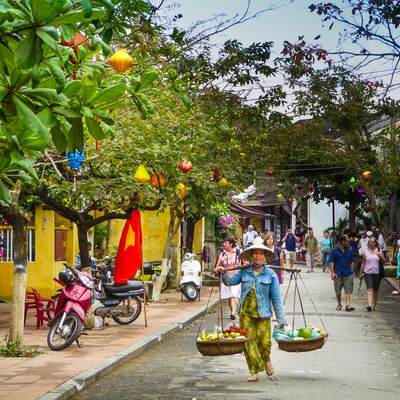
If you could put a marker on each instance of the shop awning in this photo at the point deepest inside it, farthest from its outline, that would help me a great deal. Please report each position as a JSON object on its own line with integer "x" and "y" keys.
{"x": 249, "y": 212}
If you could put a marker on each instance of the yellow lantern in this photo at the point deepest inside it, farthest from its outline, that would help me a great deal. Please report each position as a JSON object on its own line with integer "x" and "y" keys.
{"x": 280, "y": 196}
{"x": 141, "y": 175}
{"x": 222, "y": 181}
{"x": 120, "y": 61}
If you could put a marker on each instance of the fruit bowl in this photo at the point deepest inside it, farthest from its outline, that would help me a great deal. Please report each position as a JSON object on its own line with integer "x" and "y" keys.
{"x": 297, "y": 346}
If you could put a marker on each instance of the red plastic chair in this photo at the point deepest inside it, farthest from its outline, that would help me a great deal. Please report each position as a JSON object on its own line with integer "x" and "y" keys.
{"x": 30, "y": 303}
{"x": 41, "y": 308}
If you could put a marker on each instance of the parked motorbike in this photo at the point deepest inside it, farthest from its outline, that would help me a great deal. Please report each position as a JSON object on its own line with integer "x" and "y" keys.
{"x": 73, "y": 303}
{"x": 191, "y": 278}
{"x": 121, "y": 302}
{"x": 150, "y": 269}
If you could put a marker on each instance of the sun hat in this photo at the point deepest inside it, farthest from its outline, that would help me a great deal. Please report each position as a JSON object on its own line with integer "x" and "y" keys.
{"x": 246, "y": 254}
{"x": 369, "y": 233}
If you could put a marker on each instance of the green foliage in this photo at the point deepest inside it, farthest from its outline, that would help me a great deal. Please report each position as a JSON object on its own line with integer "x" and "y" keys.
{"x": 225, "y": 222}
{"x": 12, "y": 349}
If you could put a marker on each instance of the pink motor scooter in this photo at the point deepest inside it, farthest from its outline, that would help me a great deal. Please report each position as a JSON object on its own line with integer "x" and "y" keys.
{"x": 72, "y": 306}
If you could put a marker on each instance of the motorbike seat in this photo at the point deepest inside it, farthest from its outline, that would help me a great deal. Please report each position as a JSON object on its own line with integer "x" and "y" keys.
{"x": 122, "y": 287}
{"x": 150, "y": 264}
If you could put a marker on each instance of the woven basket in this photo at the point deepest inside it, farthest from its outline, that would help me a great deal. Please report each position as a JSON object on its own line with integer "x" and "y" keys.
{"x": 297, "y": 346}
{"x": 222, "y": 347}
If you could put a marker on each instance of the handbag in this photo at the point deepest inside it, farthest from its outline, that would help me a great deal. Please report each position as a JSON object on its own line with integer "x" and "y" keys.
{"x": 327, "y": 250}
{"x": 381, "y": 268}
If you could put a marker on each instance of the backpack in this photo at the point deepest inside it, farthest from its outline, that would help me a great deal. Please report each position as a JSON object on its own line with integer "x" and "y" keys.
{"x": 238, "y": 260}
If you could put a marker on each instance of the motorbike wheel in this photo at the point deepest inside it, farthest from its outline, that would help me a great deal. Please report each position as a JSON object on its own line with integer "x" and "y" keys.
{"x": 190, "y": 291}
{"x": 72, "y": 327}
{"x": 133, "y": 308}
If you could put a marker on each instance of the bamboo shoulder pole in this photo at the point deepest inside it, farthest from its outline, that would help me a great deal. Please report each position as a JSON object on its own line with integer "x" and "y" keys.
{"x": 247, "y": 266}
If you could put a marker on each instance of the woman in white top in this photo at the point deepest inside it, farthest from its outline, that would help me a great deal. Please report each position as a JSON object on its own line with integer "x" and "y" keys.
{"x": 370, "y": 268}
{"x": 230, "y": 257}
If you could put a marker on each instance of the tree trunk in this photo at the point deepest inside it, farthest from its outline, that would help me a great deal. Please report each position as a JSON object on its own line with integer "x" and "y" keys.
{"x": 190, "y": 228}
{"x": 352, "y": 215}
{"x": 369, "y": 190}
{"x": 19, "y": 224}
{"x": 392, "y": 204}
{"x": 173, "y": 227}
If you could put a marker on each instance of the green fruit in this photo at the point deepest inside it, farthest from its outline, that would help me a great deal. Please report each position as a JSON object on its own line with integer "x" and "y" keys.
{"x": 305, "y": 333}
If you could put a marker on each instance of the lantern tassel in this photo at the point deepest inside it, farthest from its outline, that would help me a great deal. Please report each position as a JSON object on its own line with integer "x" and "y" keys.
{"x": 74, "y": 188}
{"x": 97, "y": 145}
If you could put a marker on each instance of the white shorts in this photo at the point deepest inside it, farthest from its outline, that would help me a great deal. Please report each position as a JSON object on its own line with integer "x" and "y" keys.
{"x": 230, "y": 291}
{"x": 290, "y": 255}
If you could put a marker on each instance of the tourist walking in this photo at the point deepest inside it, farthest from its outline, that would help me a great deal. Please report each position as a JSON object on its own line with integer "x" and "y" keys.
{"x": 341, "y": 262}
{"x": 326, "y": 248}
{"x": 279, "y": 260}
{"x": 249, "y": 236}
{"x": 355, "y": 245}
{"x": 260, "y": 290}
{"x": 370, "y": 268}
{"x": 230, "y": 257}
{"x": 312, "y": 250}
{"x": 290, "y": 248}
{"x": 363, "y": 242}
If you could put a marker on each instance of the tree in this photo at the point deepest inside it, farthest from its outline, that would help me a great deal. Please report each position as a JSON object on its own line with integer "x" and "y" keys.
{"x": 40, "y": 81}
{"x": 339, "y": 142}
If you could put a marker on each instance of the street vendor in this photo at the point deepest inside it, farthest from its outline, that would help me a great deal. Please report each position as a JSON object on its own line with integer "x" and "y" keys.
{"x": 260, "y": 287}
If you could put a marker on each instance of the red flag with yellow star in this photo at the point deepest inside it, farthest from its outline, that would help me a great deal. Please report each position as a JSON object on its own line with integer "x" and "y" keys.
{"x": 129, "y": 256}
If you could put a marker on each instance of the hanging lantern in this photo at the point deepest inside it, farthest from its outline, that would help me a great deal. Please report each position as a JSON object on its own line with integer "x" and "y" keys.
{"x": 270, "y": 173}
{"x": 279, "y": 185}
{"x": 299, "y": 187}
{"x": 154, "y": 180}
{"x": 222, "y": 181}
{"x": 280, "y": 196}
{"x": 120, "y": 61}
{"x": 290, "y": 201}
{"x": 141, "y": 175}
{"x": 75, "y": 160}
{"x": 262, "y": 196}
{"x": 366, "y": 175}
{"x": 352, "y": 183}
{"x": 310, "y": 188}
{"x": 182, "y": 189}
{"x": 216, "y": 173}
{"x": 74, "y": 43}
{"x": 361, "y": 192}
{"x": 185, "y": 166}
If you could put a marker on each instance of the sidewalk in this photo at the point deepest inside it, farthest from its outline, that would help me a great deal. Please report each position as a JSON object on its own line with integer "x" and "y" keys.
{"x": 50, "y": 374}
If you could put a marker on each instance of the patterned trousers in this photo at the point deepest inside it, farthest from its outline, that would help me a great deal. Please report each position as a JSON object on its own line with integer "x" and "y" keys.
{"x": 258, "y": 348}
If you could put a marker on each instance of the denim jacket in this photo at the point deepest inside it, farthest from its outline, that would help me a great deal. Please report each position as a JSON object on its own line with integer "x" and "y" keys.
{"x": 267, "y": 290}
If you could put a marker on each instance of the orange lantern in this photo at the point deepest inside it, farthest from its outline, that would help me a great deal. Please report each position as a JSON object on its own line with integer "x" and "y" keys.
{"x": 77, "y": 40}
{"x": 366, "y": 175}
{"x": 154, "y": 180}
{"x": 141, "y": 175}
{"x": 120, "y": 61}
{"x": 182, "y": 189}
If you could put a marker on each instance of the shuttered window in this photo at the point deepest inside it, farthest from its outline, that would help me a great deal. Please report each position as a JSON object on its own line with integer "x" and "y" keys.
{"x": 60, "y": 247}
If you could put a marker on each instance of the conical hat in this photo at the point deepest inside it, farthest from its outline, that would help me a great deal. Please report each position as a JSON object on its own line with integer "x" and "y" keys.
{"x": 269, "y": 255}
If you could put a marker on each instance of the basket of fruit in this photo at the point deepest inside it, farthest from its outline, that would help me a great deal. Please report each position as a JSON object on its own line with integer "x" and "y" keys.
{"x": 300, "y": 340}
{"x": 229, "y": 341}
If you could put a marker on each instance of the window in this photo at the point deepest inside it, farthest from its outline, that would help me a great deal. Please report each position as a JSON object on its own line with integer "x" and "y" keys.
{"x": 7, "y": 245}
{"x": 60, "y": 245}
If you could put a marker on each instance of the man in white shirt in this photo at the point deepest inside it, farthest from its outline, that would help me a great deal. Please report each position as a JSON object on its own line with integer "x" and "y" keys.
{"x": 363, "y": 242}
{"x": 250, "y": 236}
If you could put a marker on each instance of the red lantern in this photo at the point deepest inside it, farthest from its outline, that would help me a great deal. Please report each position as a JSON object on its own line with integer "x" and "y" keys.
{"x": 310, "y": 188}
{"x": 77, "y": 40}
{"x": 270, "y": 173}
{"x": 290, "y": 201}
{"x": 216, "y": 173}
{"x": 185, "y": 166}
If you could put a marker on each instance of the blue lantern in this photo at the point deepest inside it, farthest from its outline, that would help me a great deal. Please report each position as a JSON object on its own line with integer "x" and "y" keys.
{"x": 75, "y": 159}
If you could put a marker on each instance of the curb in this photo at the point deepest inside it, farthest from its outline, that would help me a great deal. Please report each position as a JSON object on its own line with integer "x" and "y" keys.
{"x": 392, "y": 283}
{"x": 79, "y": 382}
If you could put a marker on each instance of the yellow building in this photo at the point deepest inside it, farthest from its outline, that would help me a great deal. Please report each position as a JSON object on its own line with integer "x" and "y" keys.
{"x": 53, "y": 240}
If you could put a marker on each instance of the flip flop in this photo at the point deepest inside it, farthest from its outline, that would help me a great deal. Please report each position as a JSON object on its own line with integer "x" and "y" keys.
{"x": 376, "y": 308}
{"x": 339, "y": 307}
{"x": 349, "y": 308}
{"x": 253, "y": 378}
{"x": 269, "y": 369}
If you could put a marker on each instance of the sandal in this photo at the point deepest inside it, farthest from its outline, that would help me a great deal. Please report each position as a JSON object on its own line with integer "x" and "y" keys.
{"x": 253, "y": 378}
{"x": 269, "y": 369}
{"x": 369, "y": 308}
{"x": 349, "y": 308}
{"x": 376, "y": 308}
{"x": 339, "y": 307}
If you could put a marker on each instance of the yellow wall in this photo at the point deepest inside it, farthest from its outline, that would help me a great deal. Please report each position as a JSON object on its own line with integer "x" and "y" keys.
{"x": 256, "y": 223}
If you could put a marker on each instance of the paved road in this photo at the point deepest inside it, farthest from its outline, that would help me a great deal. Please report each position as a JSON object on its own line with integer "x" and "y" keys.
{"x": 361, "y": 359}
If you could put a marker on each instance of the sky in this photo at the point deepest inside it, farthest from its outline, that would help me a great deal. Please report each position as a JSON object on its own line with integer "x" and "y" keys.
{"x": 286, "y": 21}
